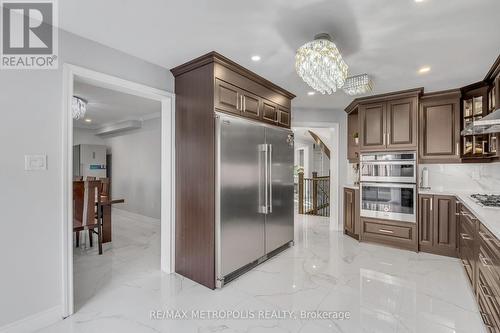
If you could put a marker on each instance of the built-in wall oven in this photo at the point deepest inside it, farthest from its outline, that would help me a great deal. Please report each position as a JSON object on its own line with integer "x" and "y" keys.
{"x": 388, "y": 186}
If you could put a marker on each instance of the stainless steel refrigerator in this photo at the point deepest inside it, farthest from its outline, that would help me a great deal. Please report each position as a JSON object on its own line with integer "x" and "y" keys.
{"x": 254, "y": 194}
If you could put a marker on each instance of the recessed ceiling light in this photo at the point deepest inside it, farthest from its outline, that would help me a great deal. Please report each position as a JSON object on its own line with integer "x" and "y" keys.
{"x": 311, "y": 93}
{"x": 419, "y": 1}
{"x": 88, "y": 120}
{"x": 424, "y": 69}
{"x": 256, "y": 58}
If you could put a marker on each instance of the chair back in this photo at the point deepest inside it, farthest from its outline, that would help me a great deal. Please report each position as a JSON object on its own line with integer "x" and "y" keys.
{"x": 90, "y": 178}
{"x": 78, "y": 195}
{"x": 104, "y": 189}
{"x": 90, "y": 199}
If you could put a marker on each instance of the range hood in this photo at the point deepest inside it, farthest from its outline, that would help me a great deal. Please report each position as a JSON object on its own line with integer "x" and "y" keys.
{"x": 486, "y": 125}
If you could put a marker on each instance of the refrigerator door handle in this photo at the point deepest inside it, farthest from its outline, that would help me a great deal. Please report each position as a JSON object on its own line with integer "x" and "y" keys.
{"x": 270, "y": 202}
{"x": 264, "y": 207}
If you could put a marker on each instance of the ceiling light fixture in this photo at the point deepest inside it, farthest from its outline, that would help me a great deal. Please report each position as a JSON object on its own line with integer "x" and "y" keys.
{"x": 418, "y": 1}
{"x": 311, "y": 93}
{"x": 256, "y": 58}
{"x": 358, "y": 84}
{"x": 320, "y": 64}
{"x": 88, "y": 120}
{"x": 425, "y": 69}
{"x": 78, "y": 107}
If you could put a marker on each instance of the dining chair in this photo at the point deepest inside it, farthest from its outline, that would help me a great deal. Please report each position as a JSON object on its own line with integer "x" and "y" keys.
{"x": 85, "y": 208}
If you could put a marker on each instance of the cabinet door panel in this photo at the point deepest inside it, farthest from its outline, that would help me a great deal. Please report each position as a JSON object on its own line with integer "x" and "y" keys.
{"x": 250, "y": 105}
{"x": 269, "y": 111}
{"x": 227, "y": 97}
{"x": 440, "y": 130}
{"x": 283, "y": 116}
{"x": 425, "y": 222}
{"x": 445, "y": 225}
{"x": 349, "y": 215}
{"x": 372, "y": 126}
{"x": 402, "y": 123}
{"x": 352, "y": 129}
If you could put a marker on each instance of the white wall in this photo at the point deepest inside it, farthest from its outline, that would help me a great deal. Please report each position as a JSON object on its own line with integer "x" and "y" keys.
{"x": 31, "y": 104}
{"x": 136, "y": 168}
{"x": 83, "y": 136}
{"x": 479, "y": 178}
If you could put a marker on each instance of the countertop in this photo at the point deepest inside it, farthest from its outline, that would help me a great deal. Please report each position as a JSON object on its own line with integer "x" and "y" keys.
{"x": 354, "y": 187}
{"x": 490, "y": 217}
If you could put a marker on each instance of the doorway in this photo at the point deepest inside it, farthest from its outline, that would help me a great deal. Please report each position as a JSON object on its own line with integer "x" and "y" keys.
{"x": 165, "y": 102}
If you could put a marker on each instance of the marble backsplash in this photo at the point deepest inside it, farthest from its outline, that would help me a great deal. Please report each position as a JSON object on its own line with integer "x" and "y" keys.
{"x": 463, "y": 177}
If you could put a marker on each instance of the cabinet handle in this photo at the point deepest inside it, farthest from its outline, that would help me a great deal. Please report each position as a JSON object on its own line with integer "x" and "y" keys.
{"x": 241, "y": 103}
{"x": 486, "y": 320}
{"x": 458, "y": 149}
{"x": 432, "y": 199}
{"x": 465, "y": 236}
{"x": 383, "y": 139}
{"x": 388, "y": 138}
{"x": 386, "y": 231}
{"x": 485, "y": 261}
{"x": 486, "y": 290}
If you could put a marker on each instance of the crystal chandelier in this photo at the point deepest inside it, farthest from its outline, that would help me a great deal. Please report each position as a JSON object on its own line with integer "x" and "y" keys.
{"x": 358, "y": 84}
{"x": 320, "y": 64}
{"x": 78, "y": 107}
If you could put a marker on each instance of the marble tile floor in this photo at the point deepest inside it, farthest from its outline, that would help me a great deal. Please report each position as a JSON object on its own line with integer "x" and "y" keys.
{"x": 384, "y": 289}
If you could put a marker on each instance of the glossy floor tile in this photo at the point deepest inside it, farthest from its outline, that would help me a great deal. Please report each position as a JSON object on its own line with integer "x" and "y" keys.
{"x": 383, "y": 289}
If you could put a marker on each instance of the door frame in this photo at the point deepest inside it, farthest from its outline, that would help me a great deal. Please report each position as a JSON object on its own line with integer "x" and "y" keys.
{"x": 335, "y": 188}
{"x": 167, "y": 100}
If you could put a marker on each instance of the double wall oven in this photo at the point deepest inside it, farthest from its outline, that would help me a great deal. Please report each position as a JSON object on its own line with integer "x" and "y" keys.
{"x": 388, "y": 186}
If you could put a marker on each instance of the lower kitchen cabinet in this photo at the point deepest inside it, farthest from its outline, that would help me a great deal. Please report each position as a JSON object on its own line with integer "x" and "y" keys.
{"x": 479, "y": 251}
{"x": 351, "y": 212}
{"x": 402, "y": 235}
{"x": 437, "y": 224}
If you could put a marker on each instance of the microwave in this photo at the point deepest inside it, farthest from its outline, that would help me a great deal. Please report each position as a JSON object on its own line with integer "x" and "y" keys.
{"x": 399, "y": 167}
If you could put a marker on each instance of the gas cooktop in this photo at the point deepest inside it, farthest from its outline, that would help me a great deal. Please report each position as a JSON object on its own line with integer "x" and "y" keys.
{"x": 487, "y": 200}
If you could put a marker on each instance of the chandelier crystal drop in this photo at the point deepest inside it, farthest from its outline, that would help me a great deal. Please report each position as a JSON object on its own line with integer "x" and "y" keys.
{"x": 78, "y": 107}
{"x": 320, "y": 64}
{"x": 358, "y": 84}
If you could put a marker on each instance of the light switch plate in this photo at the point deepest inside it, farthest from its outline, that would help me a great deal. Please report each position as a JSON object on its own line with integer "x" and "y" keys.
{"x": 35, "y": 162}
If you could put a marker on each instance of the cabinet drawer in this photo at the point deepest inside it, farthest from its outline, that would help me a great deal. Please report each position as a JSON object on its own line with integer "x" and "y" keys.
{"x": 488, "y": 303}
{"x": 489, "y": 261}
{"x": 398, "y": 234}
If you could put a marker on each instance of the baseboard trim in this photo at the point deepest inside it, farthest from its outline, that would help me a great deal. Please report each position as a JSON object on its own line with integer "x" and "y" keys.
{"x": 136, "y": 216}
{"x": 34, "y": 322}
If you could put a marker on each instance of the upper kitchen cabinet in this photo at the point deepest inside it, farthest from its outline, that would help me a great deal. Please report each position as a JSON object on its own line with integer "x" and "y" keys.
{"x": 388, "y": 122}
{"x": 236, "y": 90}
{"x": 353, "y": 137}
{"x": 439, "y": 132}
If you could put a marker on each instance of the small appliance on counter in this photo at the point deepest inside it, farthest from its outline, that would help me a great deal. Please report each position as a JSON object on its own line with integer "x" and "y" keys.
{"x": 424, "y": 179}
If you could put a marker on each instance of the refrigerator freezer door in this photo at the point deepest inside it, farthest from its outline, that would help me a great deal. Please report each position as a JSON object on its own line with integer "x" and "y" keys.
{"x": 279, "y": 220}
{"x": 240, "y": 178}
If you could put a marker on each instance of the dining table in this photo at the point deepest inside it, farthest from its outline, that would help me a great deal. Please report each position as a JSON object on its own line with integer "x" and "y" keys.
{"x": 104, "y": 215}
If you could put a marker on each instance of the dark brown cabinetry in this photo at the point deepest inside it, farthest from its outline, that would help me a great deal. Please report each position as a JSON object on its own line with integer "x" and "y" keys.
{"x": 467, "y": 243}
{"x": 211, "y": 83}
{"x": 351, "y": 212}
{"x": 353, "y": 137}
{"x": 402, "y": 235}
{"x": 387, "y": 122}
{"x": 439, "y": 133}
{"x": 437, "y": 224}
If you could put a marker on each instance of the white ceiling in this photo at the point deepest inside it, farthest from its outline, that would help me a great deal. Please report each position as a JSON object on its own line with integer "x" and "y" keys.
{"x": 107, "y": 106}
{"x": 387, "y": 39}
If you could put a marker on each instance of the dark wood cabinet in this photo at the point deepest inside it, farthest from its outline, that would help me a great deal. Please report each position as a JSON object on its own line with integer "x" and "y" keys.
{"x": 208, "y": 84}
{"x": 373, "y": 126}
{"x": 353, "y": 137}
{"x": 401, "y": 127}
{"x": 402, "y": 235}
{"x": 351, "y": 212}
{"x": 439, "y": 137}
{"x": 388, "y": 122}
{"x": 437, "y": 224}
{"x": 467, "y": 244}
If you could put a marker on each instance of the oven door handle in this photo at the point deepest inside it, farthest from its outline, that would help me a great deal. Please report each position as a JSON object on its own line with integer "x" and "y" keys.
{"x": 408, "y": 162}
{"x": 391, "y": 185}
